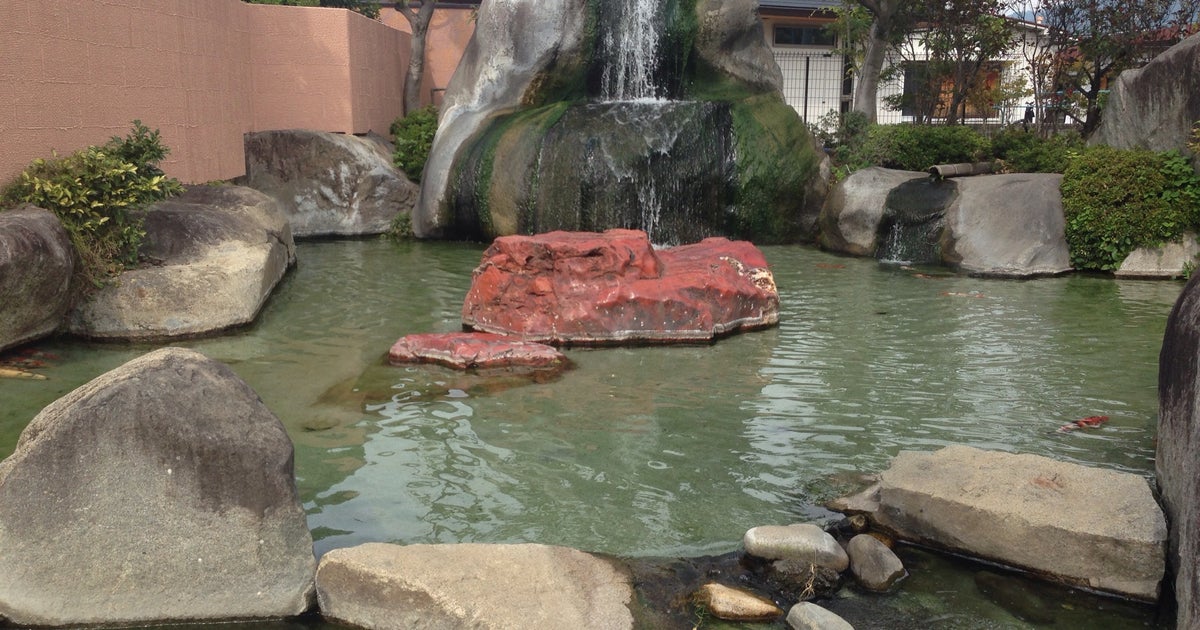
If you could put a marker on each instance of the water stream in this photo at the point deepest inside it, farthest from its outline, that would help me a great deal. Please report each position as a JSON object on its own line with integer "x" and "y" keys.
{"x": 630, "y": 51}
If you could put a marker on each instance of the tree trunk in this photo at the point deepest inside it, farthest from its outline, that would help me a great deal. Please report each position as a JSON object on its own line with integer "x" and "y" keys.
{"x": 866, "y": 91}
{"x": 416, "y": 73}
{"x": 418, "y": 21}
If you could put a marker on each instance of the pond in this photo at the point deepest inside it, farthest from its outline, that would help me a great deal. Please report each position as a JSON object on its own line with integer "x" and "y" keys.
{"x": 676, "y": 451}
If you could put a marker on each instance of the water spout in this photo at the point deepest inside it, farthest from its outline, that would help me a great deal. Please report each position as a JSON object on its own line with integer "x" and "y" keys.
{"x": 913, "y": 220}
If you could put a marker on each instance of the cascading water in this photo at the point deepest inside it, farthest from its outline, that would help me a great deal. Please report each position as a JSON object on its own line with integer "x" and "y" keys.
{"x": 913, "y": 221}
{"x": 630, "y": 52}
{"x": 650, "y": 117}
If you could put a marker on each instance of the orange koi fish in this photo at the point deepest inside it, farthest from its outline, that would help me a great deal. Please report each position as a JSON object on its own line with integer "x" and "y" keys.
{"x": 1083, "y": 423}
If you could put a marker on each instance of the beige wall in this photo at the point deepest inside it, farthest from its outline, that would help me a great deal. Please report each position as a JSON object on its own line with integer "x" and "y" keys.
{"x": 74, "y": 73}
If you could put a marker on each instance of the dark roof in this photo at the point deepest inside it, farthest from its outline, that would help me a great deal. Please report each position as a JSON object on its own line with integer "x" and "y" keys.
{"x": 799, "y": 5}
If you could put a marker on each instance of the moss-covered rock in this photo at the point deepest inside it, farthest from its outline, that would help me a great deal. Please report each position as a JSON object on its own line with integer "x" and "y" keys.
{"x": 775, "y": 160}
{"x": 710, "y": 150}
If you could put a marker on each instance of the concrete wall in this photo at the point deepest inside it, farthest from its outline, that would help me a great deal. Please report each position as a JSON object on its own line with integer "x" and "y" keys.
{"x": 75, "y": 73}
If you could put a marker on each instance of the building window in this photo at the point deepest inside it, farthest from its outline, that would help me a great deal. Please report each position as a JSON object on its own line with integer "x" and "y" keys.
{"x": 927, "y": 93}
{"x": 803, "y": 36}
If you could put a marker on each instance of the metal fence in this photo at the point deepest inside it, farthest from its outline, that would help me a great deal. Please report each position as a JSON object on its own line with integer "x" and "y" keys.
{"x": 812, "y": 81}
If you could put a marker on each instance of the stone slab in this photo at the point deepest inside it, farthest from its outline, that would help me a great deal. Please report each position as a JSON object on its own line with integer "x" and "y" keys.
{"x": 464, "y": 351}
{"x": 488, "y": 587}
{"x": 1092, "y": 527}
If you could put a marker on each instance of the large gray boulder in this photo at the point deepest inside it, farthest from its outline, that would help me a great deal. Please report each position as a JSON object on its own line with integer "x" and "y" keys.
{"x": 37, "y": 261}
{"x": 493, "y": 587}
{"x": 1154, "y": 107}
{"x": 809, "y": 616}
{"x": 1007, "y": 226}
{"x": 729, "y": 38}
{"x": 850, "y": 220}
{"x": 1097, "y": 528}
{"x": 874, "y": 565}
{"x": 162, "y": 490}
{"x": 988, "y": 225}
{"x": 497, "y": 71}
{"x": 328, "y": 184}
{"x": 1177, "y": 460}
{"x": 217, "y": 252}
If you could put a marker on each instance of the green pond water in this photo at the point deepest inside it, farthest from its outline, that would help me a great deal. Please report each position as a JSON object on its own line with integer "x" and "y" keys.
{"x": 675, "y": 451}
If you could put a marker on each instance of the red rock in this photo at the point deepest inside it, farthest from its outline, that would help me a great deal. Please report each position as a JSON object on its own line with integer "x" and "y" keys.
{"x": 614, "y": 287}
{"x": 474, "y": 350}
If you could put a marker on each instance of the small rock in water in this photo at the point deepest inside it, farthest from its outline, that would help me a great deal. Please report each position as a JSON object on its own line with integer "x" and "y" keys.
{"x": 735, "y": 604}
{"x": 865, "y": 502}
{"x": 803, "y": 542}
{"x": 874, "y": 565}
{"x": 808, "y": 616}
{"x": 799, "y": 581}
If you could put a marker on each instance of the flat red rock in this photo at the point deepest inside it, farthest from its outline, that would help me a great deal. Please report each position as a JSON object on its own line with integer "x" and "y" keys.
{"x": 474, "y": 350}
{"x": 614, "y": 287}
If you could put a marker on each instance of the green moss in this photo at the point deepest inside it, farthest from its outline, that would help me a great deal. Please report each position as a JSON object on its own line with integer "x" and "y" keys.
{"x": 478, "y": 209}
{"x": 775, "y": 161}
{"x": 679, "y": 39}
{"x": 708, "y": 83}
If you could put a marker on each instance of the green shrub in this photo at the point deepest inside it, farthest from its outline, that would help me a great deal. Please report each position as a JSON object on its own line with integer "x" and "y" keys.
{"x": 1116, "y": 201}
{"x": 413, "y": 135}
{"x": 400, "y": 228}
{"x": 1023, "y": 151}
{"x": 95, "y": 193}
{"x": 918, "y": 147}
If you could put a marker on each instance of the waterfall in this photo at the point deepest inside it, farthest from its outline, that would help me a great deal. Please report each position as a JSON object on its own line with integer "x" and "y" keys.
{"x": 631, "y": 40}
{"x": 623, "y": 129}
{"x": 913, "y": 220}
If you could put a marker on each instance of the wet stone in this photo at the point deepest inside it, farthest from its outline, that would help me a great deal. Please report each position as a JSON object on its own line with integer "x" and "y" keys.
{"x": 735, "y": 604}
{"x": 809, "y": 616}
{"x": 802, "y": 542}
{"x": 474, "y": 350}
{"x": 874, "y": 565}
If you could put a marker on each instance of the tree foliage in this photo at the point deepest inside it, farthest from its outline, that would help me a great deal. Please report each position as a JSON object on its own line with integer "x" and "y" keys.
{"x": 1098, "y": 39}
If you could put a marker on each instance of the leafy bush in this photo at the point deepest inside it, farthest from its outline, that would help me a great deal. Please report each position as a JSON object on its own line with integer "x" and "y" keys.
{"x": 414, "y": 137}
{"x": 95, "y": 193}
{"x": 1116, "y": 201}
{"x": 400, "y": 228}
{"x": 1026, "y": 152}
{"x": 918, "y": 147}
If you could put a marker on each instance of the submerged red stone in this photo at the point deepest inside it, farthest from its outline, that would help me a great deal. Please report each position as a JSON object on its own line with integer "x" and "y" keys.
{"x": 473, "y": 350}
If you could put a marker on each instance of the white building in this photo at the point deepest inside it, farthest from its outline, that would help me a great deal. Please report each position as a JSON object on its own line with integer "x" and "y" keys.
{"x": 817, "y": 80}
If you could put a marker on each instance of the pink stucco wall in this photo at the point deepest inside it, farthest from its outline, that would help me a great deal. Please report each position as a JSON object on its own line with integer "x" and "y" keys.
{"x": 203, "y": 72}
{"x": 449, "y": 32}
